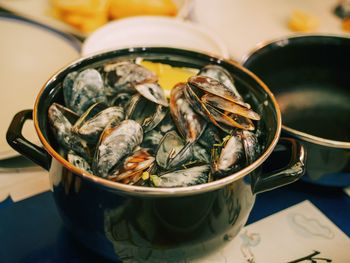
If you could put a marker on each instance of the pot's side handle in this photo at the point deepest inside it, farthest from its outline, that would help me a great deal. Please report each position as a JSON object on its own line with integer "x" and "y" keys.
{"x": 16, "y": 140}
{"x": 282, "y": 176}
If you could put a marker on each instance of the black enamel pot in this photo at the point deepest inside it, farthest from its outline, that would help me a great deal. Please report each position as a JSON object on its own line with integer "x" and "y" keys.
{"x": 122, "y": 221}
{"x": 309, "y": 75}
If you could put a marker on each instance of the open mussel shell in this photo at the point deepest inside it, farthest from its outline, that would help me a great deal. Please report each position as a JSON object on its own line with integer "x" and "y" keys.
{"x": 153, "y": 92}
{"x": 145, "y": 112}
{"x": 188, "y": 122}
{"x": 60, "y": 122}
{"x": 212, "y": 86}
{"x": 214, "y": 115}
{"x": 152, "y": 138}
{"x": 226, "y": 122}
{"x": 61, "y": 119}
{"x": 116, "y": 142}
{"x": 221, "y": 75}
{"x": 133, "y": 167}
{"x": 229, "y": 106}
{"x": 60, "y": 114}
{"x": 197, "y": 104}
{"x": 172, "y": 151}
{"x": 90, "y": 113}
{"x": 228, "y": 157}
{"x": 220, "y": 119}
{"x": 184, "y": 177}
{"x": 252, "y": 148}
{"x": 90, "y": 129}
{"x": 124, "y": 75}
{"x": 83, "y": 90}
{"x": 154, "y": 120}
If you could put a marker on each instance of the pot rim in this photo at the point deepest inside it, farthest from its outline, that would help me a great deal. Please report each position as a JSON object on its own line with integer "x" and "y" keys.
{"x": 152, "y": 191}
{"x": 284, "y": 41}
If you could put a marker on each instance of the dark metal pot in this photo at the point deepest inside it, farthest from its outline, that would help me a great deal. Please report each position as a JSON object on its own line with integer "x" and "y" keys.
{"x": 122, "y": 221}
{"x": 309, "y": 75}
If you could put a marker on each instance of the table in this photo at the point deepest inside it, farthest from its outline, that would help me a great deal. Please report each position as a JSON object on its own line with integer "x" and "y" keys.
{"x": 32, "y": 231}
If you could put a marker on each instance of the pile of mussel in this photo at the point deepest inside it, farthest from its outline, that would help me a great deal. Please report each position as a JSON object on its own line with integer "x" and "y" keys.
{"x": 116, "y": 123}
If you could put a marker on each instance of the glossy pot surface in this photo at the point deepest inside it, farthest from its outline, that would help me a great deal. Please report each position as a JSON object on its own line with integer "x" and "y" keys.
{"x": 309, "y": 77}
{"x": 134, "y": 223}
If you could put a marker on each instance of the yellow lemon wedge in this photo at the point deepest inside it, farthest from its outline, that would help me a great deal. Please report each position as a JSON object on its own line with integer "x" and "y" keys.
{"x": 168, "y": 75}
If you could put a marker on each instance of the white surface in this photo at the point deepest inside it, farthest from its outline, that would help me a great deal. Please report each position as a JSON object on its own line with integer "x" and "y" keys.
{"x": 242, "y": 24}
{"x": 153, "y": 31}
{"x": 29, "y": 56}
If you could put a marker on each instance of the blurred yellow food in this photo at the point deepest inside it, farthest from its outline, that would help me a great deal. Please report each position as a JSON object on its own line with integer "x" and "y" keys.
{"x": 88, "y": 15}
{"x": 301, "y": 21}
{"x": 85, "y": 15}
{"x": 168, "y": 75}
{"x": 125, "y": 8}
{"x": 346, "y": 25}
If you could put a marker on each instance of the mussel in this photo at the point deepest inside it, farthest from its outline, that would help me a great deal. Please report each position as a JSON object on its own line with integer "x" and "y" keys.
{"x": 189, "y": 123}
{"x": 222, "y": 75}
{"x": 61, "y": 120}
{"x": 91, "y": 127}
{"x": 228, "y": 157}
{"x": 184, "y": 177}
{"x": 133, "y": 167}
{"x": 116, "y": 142}
{"x": 172, "y": 151}
{"x": 122, "y": 76}
{"x": 219, "y": 104}
{"x": 83, "y": 89}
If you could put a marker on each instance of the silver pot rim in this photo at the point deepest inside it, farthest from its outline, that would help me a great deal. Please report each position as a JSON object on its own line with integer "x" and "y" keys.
{"x": 151, "y": 191}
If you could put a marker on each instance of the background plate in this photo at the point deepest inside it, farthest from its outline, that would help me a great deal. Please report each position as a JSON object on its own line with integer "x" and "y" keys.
{"x": 153, "y": 31}
{"x": 30, "y": 53}
{"x": 39, "y": 11}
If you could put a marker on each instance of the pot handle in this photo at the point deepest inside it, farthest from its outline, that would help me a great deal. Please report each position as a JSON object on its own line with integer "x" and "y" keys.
{"x": 16, "y": 140}
{"x": 288, "y": 151}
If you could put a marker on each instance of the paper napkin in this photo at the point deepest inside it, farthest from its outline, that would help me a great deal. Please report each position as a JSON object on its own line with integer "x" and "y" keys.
{"x": 301, "y": 233}
{"x": 23, "y": 183}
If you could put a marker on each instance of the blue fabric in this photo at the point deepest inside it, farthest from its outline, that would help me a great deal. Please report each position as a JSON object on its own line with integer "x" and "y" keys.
{"x": 32, "y": 231}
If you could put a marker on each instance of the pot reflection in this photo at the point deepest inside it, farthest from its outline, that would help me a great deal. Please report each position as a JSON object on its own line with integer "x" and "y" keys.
{"x": 134, "y": 228}
{"x": 335, "y": 167}
{"x": 153, "y": 227}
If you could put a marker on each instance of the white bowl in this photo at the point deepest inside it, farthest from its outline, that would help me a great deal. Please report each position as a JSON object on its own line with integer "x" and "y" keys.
{"x": 153, "y": 31}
